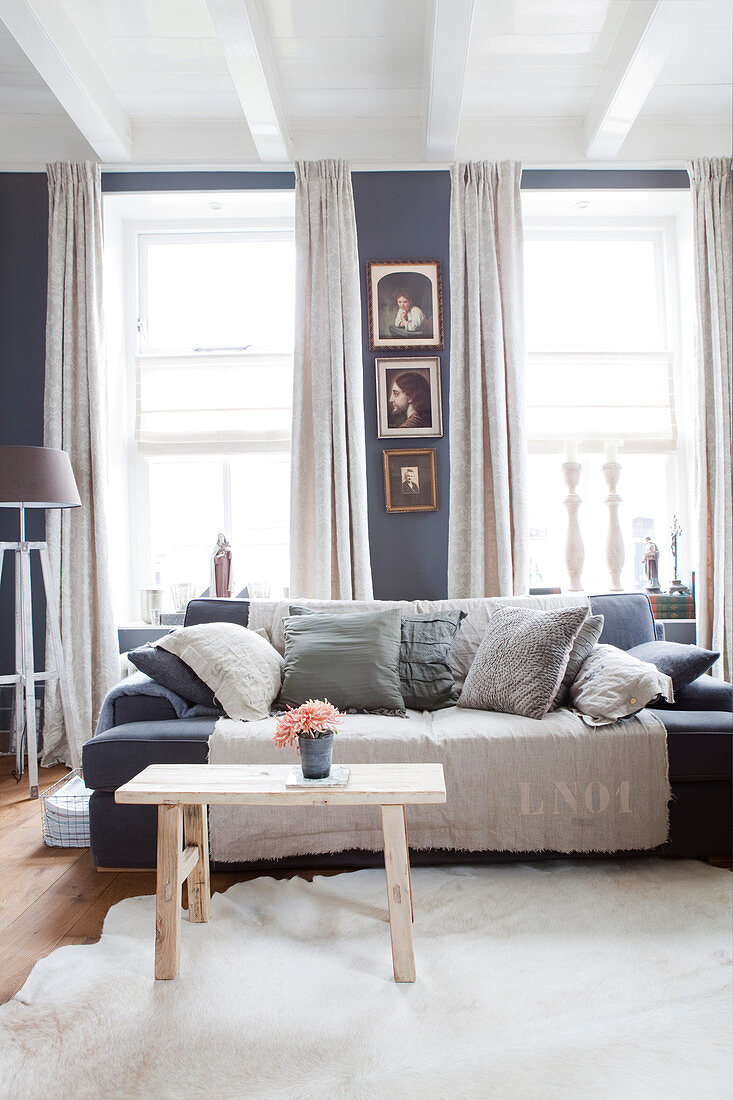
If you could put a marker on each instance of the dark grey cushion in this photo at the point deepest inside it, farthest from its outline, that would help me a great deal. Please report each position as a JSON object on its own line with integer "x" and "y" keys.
{"x": 426, "y": 678}
{"x": 171, "y": 672}
{"x": 352, "y": 660}
{"x": 683, "y": 663}
{"x": 699, "y": 744}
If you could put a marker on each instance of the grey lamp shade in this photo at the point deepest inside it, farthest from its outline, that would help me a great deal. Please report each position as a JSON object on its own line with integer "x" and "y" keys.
{"x": 37, "y": 477}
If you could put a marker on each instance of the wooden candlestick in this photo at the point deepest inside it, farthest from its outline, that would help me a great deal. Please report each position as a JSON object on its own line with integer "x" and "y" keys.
{"x": 615, "y": 553}
{"x": 574, "y": 549}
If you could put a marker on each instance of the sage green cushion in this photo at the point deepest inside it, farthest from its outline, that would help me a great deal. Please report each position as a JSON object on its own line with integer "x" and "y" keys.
{"x": 351, "y": 660}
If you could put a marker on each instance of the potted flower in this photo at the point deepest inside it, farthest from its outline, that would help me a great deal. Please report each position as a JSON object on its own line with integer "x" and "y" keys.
{"x": 309, "y": 729}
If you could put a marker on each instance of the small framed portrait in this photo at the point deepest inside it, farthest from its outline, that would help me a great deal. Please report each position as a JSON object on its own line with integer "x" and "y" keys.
{"x": 405, "y": 304}
{"x": 408, "y": 398}
{"x": 410, "y": 483}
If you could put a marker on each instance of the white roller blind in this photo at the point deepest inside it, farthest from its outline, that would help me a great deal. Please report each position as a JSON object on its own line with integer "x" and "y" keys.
{"x": 623, "y": 396}
{"x": 599, "y": 362}
{"x": 214, "y": 404}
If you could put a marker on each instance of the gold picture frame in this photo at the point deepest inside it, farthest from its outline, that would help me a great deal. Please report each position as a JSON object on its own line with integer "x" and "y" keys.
{"x": 410, "y": 480}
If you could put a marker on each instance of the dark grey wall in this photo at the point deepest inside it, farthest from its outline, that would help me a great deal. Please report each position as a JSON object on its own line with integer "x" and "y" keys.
{"x": 400, "y": 215}
{"x": 197, "y": 181}
{"x": 23, "y": 265}
{"x": 404, "y": 216}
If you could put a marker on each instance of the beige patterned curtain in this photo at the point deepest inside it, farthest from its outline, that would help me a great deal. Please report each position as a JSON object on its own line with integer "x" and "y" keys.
{"x": 488, "y": 536}
{"x": 710, "y": 180}
{"x": 329, "y": 537}
{"x": 74, "y": 419}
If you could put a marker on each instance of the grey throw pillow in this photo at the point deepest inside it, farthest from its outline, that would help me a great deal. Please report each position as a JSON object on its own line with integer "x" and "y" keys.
{"x": 426, "y": 678}
{"x": 351, "y": 660}
{"x": 583, "y": 646}
{"x": 521, "y": 661}
{"x": 683, "y": 663}
{"x": 171, "y": 672}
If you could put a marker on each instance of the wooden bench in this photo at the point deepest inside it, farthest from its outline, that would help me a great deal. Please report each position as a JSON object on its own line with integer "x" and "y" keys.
{"x": 182, "y": 793}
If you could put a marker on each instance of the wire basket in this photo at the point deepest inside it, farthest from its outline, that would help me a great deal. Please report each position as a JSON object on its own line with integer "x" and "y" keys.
{"x": 65, "y": 813}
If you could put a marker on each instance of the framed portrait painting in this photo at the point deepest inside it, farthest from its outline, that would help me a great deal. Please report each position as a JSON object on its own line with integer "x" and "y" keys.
{"x": 405, "y": 307}
{"x": 408, "y": 398}
{"x": 410, "y": 483}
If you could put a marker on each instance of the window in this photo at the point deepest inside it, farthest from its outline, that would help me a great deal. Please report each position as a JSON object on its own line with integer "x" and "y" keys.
{"x": 604, "y": 367}
{"x": 209, "y": 339}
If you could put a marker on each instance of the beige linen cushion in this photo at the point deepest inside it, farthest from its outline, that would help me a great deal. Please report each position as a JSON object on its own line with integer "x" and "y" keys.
{"x": 522, "y": 659}
{"x": 612, "y": 684}
{"x": 242, "y": 669}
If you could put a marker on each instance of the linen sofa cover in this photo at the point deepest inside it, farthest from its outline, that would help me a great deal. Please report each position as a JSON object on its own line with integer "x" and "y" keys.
{"x": 585, "y": 790}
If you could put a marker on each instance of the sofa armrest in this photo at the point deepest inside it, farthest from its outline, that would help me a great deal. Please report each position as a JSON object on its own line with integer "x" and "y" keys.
{"x": 117, "y": 755}
{"x": 142, "y": 708}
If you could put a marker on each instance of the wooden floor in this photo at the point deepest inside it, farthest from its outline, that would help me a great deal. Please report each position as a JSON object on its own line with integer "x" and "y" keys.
{"x": 50, "y": 897}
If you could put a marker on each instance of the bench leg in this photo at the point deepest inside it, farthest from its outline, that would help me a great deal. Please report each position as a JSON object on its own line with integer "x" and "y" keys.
{"x": 168, "y": 892}
{"x": 397, "y": 868}
{"x": 409, "y": 873}
{"x": 196, "y": 831}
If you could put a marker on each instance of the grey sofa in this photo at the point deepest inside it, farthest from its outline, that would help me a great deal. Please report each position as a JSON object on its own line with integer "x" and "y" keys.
{"x": 147, "y": 731}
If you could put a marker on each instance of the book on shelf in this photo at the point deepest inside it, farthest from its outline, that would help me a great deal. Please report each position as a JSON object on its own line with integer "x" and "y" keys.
{"x": 665, "y": 606}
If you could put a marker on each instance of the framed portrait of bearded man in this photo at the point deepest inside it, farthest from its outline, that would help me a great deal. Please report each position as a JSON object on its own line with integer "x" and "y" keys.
{"x": 408, "y": 398}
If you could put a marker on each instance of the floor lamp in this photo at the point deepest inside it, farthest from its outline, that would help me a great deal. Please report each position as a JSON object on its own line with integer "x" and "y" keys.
{"x": 35, "y": 477}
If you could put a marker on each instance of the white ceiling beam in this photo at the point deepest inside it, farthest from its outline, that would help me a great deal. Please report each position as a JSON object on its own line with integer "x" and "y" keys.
{"x": 247, "y": 51}
{"x": 645, "y": 39}
{"x": 448, "y": 58}
{"x": 52, "y": 44}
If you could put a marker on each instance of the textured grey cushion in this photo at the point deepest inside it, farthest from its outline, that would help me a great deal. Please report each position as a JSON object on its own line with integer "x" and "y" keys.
{"x": 684, "y": 663}
{"x": 583, "y": 646}
{"x": 172, "y": 673}
{"x": 426, "y": 678}
{"x": 522, "y": 659}
{"x": 351, "y": 660}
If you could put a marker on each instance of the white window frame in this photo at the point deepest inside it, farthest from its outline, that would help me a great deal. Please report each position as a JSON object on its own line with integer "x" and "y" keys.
{"x": 136, "y": 234}
{"x": 657, "y": 231}
{"x": 672, "y": 244}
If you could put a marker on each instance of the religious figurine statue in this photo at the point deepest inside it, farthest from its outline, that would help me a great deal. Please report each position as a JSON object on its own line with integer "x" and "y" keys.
{"x": 222, "y": 581}
{"x": 651, "y": 565}
{"x": 676, "y": 588}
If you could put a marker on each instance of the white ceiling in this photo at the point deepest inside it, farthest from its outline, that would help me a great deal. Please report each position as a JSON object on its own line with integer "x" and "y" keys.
{"x": 259, "y": 83}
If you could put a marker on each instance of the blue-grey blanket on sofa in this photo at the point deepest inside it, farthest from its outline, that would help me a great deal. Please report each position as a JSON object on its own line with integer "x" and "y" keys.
{"x": 140, "y": 684}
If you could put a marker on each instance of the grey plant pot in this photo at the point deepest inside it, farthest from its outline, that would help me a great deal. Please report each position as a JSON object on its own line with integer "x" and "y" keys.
{"x": 315, "y": 756}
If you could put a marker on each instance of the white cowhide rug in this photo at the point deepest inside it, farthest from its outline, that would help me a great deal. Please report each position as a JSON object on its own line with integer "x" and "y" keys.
{"x": 583, "y": 980}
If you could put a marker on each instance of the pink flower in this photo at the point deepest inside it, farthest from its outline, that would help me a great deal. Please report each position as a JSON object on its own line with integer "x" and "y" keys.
{"x": 314, "y": 718}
